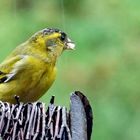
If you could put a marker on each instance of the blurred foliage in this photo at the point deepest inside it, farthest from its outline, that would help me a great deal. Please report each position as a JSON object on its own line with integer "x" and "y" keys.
{"x": 105, "y": 65}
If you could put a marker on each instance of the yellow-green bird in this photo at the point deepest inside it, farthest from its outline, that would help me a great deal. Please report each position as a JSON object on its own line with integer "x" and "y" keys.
{"x": 30, "y": 70}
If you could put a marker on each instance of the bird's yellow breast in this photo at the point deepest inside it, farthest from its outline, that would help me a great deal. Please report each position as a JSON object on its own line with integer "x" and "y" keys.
{"x": 42, "y": 85}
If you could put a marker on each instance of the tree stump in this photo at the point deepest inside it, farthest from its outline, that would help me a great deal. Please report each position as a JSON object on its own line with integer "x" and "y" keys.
{"x": 35, "y": 121}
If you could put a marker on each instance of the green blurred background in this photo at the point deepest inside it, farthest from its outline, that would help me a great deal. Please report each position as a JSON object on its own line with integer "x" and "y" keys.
{"x": 105, "y": 64}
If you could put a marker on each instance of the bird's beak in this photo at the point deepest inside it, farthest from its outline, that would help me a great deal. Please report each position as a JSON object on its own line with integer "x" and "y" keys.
{"x": 69, "y": 45}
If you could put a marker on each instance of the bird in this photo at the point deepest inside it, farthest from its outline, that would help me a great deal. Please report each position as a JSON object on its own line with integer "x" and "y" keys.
{"x": 30, "y": 69}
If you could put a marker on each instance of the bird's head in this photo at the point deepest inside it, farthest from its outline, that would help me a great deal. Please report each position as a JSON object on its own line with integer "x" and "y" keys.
{"x": 52, "y": 41}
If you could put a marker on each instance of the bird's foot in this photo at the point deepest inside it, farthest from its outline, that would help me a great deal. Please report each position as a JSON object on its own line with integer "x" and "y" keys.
{"x": 17, "y": 99}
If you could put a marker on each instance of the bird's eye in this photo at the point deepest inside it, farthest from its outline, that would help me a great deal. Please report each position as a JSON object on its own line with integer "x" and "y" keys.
{"x": 63, "y": 36}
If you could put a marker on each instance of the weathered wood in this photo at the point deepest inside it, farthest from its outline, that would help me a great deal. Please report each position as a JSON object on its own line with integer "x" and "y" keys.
{"x": 81, "y": 117}
{"x": 78, "y": 119}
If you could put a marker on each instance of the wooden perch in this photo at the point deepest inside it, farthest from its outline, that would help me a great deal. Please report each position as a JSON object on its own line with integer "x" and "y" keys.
{"x": 32, "y": 121}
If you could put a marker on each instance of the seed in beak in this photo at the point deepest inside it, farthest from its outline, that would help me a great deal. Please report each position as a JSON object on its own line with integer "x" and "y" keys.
{"x": 69, "y": 45}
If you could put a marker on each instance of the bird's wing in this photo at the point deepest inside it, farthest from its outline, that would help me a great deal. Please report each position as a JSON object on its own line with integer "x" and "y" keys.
{"x": 18, "y": 66}
{"x": 7, "y": 66}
